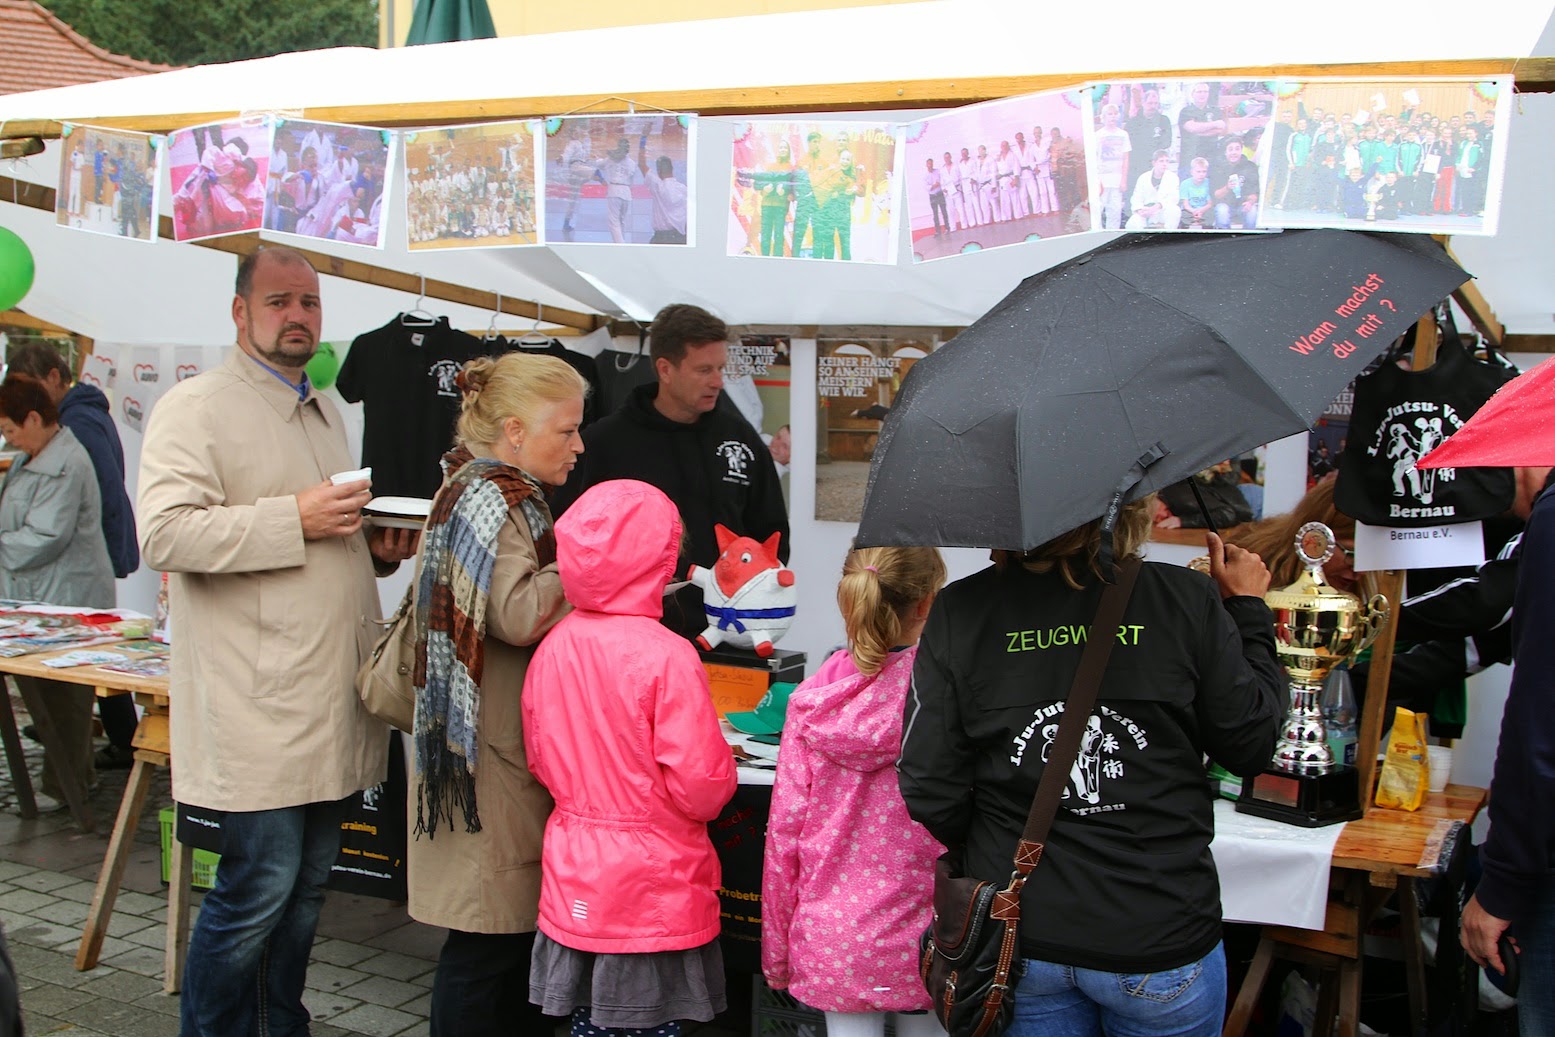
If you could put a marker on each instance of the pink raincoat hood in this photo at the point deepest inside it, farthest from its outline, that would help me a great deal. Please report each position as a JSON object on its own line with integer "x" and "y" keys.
{"x": 854, "y": 721}
{"x": 616, "y": 548}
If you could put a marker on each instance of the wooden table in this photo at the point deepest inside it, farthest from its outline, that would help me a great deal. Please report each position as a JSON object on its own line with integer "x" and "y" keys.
{"x": 1384, "y": 851}
{"x": 152, "y": 750}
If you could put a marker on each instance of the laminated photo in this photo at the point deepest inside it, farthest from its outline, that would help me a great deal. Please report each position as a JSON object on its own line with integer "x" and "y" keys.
{"x": 1419, "y": 155}
{"x": 996, "y": 174}
{"x": 814, "y": 190}
{"x": 219, "y": 174}
{"x": 109, "y": 181}
{"x": 620, "y": 179}
{"x": 1178, "y": 154}
{"x": 472, "y": 186}
{"x": 329, "y": 181}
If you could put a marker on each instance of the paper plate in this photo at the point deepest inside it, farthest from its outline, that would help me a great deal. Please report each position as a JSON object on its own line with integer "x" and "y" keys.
{"x": 398, "y": 512}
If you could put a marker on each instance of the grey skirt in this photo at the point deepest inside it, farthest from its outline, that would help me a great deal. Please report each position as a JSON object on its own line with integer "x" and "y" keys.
{"x": 633, "y": 991}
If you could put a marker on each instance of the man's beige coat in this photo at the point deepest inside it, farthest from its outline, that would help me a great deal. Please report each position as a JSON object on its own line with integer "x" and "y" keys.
{"x": 268, "y": 629}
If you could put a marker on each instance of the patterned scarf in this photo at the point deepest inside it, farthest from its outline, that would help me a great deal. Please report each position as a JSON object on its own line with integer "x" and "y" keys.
{"x": 459, "y": 553}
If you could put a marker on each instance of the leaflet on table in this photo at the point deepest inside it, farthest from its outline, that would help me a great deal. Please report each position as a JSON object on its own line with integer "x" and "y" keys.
{"x": 150, "y": 667}
{"x": 12, "y": 647}
{"x": 84, "y": 658}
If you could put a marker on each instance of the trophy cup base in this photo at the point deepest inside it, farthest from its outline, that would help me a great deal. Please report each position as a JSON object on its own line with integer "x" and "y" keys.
{"x": 1308, "y": 800}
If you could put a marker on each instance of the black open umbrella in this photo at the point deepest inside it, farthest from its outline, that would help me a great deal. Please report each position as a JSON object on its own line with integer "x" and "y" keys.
{"x": 1131, "y": 367}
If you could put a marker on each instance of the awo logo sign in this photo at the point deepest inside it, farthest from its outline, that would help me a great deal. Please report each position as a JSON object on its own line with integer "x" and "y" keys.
{"x": 134, "y": 413}
{"x": 145, "y": 374}
{"x": 185, "y": 371}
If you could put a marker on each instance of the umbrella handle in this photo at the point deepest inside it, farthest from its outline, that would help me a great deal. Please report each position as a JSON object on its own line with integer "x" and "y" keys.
{"x": 1209, "y": 523}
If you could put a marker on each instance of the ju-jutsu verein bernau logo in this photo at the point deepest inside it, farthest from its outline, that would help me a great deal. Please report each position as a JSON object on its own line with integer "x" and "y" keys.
{"x": 749, "y": 596}
{"x": 737, "y": 458}
{"x": 1407, "y": 433}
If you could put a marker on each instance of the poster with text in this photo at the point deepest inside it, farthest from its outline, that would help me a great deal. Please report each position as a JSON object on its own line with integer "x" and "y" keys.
{"x": 814, "y": 190}
{"x": 1421, "y": 155}
{"x": 109, "y": 181}
{"x": 758, "y": 379}
{"x": 1178, "y": 154}
{"x": 218, "y": 177}
{"x": 620, "y": 179}
{"x": 996, "y": 174}
{"x": 329, "y": 181}
{"x": 472, "y": 186}
{"x": 858, "y": 374}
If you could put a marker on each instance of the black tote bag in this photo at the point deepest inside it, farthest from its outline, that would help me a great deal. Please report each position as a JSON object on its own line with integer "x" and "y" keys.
{"x": 1400, "y": 416}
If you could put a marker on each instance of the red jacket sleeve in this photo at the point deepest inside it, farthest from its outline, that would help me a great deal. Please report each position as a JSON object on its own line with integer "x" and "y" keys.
{"x": 697, "y": 763}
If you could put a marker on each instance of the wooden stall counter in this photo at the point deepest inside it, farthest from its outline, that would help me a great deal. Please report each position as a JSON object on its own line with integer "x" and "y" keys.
{"x": 1383, "y": 851}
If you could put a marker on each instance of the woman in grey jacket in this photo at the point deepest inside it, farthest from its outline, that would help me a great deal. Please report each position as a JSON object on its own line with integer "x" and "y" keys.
{"x": 52, "y": 550}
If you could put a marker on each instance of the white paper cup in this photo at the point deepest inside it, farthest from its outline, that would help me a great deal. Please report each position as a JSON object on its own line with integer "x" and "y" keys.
{"x": 1441, "y": 766}
{"x": 340, "y": 478}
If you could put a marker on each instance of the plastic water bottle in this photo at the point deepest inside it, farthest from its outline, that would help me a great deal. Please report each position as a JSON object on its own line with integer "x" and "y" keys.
{"x": 1340, "y": 716}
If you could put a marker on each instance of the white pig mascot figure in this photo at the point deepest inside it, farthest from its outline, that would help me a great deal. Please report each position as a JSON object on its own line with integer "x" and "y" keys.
{"x": 749, "y": 595}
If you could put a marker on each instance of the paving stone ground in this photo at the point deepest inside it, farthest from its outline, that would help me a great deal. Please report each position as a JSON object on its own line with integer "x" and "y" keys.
{"x": 372, "y": 965}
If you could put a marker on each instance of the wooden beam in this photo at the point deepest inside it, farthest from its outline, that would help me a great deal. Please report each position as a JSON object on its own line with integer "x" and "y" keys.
{"x": 1533, "y": 74}
{"x": 37, "y": 196}
{"x": 21, "y": 319}
{"x": 1528, "y": 344}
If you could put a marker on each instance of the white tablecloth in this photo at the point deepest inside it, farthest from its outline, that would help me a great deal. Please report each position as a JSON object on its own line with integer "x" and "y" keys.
{"x": 1272, "y": 873}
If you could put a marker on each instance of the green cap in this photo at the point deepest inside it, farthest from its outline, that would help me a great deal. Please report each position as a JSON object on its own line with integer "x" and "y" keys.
{"x": 767, "y": 717}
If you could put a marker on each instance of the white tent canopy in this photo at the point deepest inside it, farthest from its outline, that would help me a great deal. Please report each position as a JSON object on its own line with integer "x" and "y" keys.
{"x": 858, "y": 45}
{"x": 134, "y": 287}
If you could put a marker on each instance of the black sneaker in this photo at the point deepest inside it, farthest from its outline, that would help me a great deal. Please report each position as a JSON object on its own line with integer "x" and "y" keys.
{"x": 112, "y": 758}
{"x": 30, "y": 731}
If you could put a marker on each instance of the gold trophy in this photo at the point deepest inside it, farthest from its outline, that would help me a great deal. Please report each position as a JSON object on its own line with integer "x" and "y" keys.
{"x": 1316, "y": 627}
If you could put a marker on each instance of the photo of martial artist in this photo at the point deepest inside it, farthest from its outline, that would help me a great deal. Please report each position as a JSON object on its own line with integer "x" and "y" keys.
{"x": 1410, "y": 155}
{"x": 996, "y": 174}
{"x": 1167, "y": 155}
{"x": 814, "y": 190}
{"x": 472, "y": 186}
{"x": 858, "y": 374}
{"x": 218, "y": 176}
{"x": 620, "y": 179}
{"x": 108, "y": 182}
{"x": 329, "y": 181}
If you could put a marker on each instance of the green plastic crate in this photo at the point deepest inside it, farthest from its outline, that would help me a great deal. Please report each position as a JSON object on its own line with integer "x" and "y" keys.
{"x": 204, "y": 860}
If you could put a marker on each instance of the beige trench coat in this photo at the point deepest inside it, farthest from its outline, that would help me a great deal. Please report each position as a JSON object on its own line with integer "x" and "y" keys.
{"x": 489, "y": 881}
{"x": 268, "y": 629}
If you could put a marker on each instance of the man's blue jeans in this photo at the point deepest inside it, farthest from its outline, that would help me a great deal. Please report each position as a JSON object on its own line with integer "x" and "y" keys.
{"x": 1064, "y": 1001}
{"x": 1536, "y": 964}
{"x": 248, "y": 955}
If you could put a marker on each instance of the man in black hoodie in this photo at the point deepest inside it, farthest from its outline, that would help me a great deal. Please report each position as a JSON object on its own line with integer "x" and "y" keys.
{"x": 83, "y": 409}
{"x": 706, "y": 458}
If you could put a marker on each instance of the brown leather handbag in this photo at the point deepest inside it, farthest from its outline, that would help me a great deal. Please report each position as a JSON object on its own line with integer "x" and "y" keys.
{"x": 386, "y": 680}
{"x": 969, "y": 955}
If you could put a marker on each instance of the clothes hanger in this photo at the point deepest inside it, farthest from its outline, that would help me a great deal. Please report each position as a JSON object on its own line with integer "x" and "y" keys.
{"x": 492, "y": 334}
{"x": 534, "y": 336}
{"x": 419, "y": 317}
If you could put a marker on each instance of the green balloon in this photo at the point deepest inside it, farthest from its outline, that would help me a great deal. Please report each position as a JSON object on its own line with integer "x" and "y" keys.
{"x": 16, "y": 269}
{"x": 324, "y": 366}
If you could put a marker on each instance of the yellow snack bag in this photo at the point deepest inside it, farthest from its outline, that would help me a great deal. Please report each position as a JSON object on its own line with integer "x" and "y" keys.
{"x": 1406, "y": 767}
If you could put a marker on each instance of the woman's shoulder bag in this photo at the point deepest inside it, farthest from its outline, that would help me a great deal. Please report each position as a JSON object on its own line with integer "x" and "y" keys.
{"x": 386, "y": 680}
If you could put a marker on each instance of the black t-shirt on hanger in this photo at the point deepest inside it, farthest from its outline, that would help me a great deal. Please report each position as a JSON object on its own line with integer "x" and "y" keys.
{"x": 580, "y": 362}
{"x": 404, "y": 374}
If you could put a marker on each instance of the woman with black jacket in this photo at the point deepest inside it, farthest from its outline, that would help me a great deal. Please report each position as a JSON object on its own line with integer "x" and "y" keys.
{"x": 1120, "y": 923}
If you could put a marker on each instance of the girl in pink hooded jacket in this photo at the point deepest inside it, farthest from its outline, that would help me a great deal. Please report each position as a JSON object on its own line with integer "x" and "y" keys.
{"x": 619, "y": 725}
{"x": 848, "y": 879}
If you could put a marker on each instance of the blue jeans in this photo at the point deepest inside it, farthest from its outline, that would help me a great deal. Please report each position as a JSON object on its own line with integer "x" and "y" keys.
{"x": 1224, "y": 214}
{"x": 1536, "y": 964}
{"x": 248, "y": 955}
{"x": 1064, "y": 1001}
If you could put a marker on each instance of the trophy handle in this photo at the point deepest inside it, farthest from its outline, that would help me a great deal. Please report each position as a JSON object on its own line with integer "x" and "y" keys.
{"x": 1376, "y": 616}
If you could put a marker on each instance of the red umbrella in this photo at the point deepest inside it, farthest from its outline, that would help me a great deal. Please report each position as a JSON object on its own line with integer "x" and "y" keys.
{"x": 1515, "y": 427}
